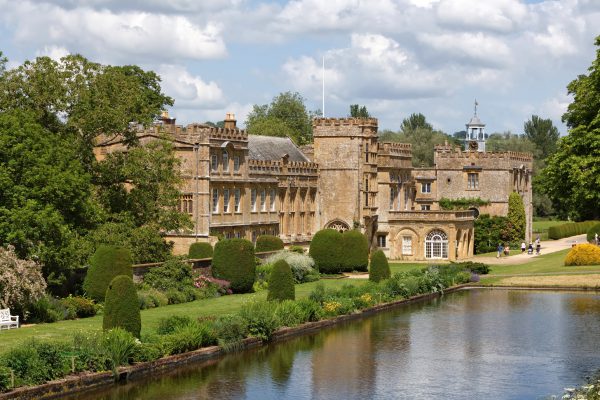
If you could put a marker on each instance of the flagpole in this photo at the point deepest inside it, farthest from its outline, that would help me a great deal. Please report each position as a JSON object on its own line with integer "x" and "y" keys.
{"x": 323, "y": 94}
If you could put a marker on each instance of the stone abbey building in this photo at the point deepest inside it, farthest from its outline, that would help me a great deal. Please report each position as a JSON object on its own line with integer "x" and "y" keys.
{"x": 243, "y": 186}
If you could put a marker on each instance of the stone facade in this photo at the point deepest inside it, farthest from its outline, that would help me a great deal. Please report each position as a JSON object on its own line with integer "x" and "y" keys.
{"x": 236, "y": 185}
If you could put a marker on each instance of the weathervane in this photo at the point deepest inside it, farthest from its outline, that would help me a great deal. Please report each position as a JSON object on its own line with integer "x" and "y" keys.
{"x": 476, "y": 104}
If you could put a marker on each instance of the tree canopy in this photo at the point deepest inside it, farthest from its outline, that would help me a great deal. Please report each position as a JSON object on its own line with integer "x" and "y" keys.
{"x": 285, "y": 116}
{"x": 543, "y": 134}
{"x": 572, "y": 175}
{"x": 357, "y": 111}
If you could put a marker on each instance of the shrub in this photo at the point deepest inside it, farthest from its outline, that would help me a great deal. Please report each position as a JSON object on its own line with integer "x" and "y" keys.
{"x": 591, "y": 233}
{"x": 233, "y": 261}
{"x": 172, "y": 274}
{"x": 302, "y": 265}
{"x": 570, "y": 229}
{"x": 200, "y": 250}
{"x": 170, "y": 324}
{"x": 268, "y": 243}
{"x": 49, "y": 309}
{"x": 5, "y": 380}
{"x": 474, "y": 267}
{"x": 290, "y": 313}
{"x": 230, "y": 331}
{"x": 380, "y": 268}
{"x": 81, "y": 306}
{"x": 151, "y": 298}
{"x": 90, "y": 352}
{"x": 281, "y": 282}
{"x": 583, "y": 254}
{"x": 211, "y": 287}
{"x": 121, "y": 308}
{"x": 489, "y": 231}
{"x": 261, "y": 318}
{"x": 326, "y": 250}
{"x": 188, "y": 337}
{"x": 174, "y": 296}
{"x": 297, "y": 249}
{"x": 35, "y": 362}
{"x": 147, "y": 351}
{"x": 106, "y": 263}
{"x": 21, "y": 281}
{"x": 263, "y": 272}
{"x": 516, "y": 217}
{"x": 355, "y": 253}
{"x": 119, "y": 345}
{"x": 311, "y": 310}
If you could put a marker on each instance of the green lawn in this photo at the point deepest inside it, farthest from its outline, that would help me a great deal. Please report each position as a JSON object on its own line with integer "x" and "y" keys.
{"x": 63, "y": 330}
{"x": 541, "y": 227}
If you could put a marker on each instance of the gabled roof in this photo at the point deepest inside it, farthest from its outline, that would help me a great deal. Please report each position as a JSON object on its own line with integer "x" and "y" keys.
{"x": 274, "y": 148}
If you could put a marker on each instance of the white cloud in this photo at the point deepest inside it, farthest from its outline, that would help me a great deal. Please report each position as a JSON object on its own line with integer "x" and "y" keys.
{"x": 190, "y": 91}
{"x": 489, "y": 15}
{"x": 54, "y": 52}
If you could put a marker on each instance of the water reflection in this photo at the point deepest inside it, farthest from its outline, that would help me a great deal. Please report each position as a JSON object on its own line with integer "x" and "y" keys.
{"x": 470, "y": 344}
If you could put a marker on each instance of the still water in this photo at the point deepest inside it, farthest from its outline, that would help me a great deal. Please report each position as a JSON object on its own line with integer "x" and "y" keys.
{"x": 471, "y": 344}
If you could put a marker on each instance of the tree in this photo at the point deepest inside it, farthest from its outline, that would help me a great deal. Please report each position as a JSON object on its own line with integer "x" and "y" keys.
{"x": 357, "y": 111}
{"x": 413, "y": 122}
{"x": 516, "y": 217}
{"x": 21, "y": 281}
{"x": 507, "y": 141}
{"x": 286, "y": 116}
{"x": 543, "y": 134}
{"x": 572, "y": 175}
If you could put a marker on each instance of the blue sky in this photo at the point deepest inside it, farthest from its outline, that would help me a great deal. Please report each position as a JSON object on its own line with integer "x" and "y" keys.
{"x": 394, "y": 56}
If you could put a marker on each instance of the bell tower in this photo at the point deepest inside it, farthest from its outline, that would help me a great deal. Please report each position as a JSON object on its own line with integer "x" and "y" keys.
{"x": 476, "y": 136}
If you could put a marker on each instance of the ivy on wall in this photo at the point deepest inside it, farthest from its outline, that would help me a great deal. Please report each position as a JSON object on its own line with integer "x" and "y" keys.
{"x": 462, "y": 203}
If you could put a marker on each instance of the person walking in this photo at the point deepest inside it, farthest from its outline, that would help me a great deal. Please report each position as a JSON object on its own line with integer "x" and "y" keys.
{"x": 523, "y": 247}
{"x": 530, "y": 249}
{"x": 500, "y": 250}
{"x": 538, "y": 248}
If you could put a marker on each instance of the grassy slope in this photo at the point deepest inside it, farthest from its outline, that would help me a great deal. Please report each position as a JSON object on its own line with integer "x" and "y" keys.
{"x": 216, "y": 306}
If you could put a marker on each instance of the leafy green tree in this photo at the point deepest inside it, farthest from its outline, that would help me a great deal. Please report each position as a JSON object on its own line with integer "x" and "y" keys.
{"x": 489, "y": 232}
{"x": 543, "y": 134}
{"x": 516, "y": 217}
{"x": 285, "y": 116}
{"x": 507, "y": 141}
{"x": 572, "y": 175}
{"x": 414, "y": 122}
{"x": 357, "y": 111}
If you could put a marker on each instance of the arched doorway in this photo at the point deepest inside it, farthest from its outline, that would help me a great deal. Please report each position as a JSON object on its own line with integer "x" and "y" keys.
{"x": 338, "y": 225}
{"x": 436, "y": 245}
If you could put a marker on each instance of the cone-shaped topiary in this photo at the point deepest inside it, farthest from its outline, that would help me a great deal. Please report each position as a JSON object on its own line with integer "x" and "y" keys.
{"x": 583, "y": 254}
{"x": 326, "y": 250}
{"x": 200, "y": 250}
{"x": 233, "y": 260}
{"x": 380, "y": 269}
{"x": 355, "y": 253}
{"x": 121, "y": 308}
{"x": 106, "y": 263}
{"x": 268, "y": 243}
{"x": 281, "y": 282}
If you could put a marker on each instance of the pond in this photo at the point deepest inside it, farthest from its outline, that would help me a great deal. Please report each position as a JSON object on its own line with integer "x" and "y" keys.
{"x": 476, "y": 344}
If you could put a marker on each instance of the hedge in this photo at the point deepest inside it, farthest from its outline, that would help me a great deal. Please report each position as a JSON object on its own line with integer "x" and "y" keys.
{"x": 380, "y": 269}
{"x": 233, "y": 261}
{"x": 281, "y": 282}
{"x": 326, "y": 250}
{"x": 591, "y": 233}
{"x": 268, "y": 243}
{"x": 583, "y": 254}
{"x": 106, "y": 263}
{"x": 355, "y": 251}
{"x": 570, "y": 229}
{"x": 121, "y": 308}
{"x": 200, "y": 250}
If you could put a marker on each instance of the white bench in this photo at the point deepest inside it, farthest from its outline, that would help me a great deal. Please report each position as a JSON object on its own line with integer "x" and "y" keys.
{"x": 8, "y": 321}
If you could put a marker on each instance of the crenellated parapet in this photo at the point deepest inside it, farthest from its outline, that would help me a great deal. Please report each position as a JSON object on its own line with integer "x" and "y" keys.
{"x": 228, "y": 134}
{"x": 299, "y": 167}
{"x": 280, "y": 168}
{"x": 503, "y": 155}
{"x": 345, "y": 121}
{"x": 399, "y": 149}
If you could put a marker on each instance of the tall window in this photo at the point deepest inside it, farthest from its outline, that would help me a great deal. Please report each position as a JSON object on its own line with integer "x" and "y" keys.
{"x": 236, "y": 163}
{"x": 225, "y": 161}
{"x": 272, "y": 199}
{"x": 473, "y": 181}
{"x": 253, "y": 199}
{"x": 237, "y": 196}
{"x": 393, "y": 194}
{"x": 381, "y": 240}
{"x": 225, "y": 200}
{"x": 215, "y": 200}
{"x": 263, "y": 200}
{"x": 214, "y": 162}
{"x": 426, "y": 187}
{"x": 406, "y": 245}
{"x": 367, "y": 152}
{"x": 436, "y": 245}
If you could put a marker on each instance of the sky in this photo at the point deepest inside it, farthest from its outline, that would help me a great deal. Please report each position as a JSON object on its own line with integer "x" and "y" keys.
{"x": 396, "y": 57}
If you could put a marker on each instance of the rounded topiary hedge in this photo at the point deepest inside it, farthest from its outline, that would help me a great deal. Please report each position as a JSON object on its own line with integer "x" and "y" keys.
{"x": 233, "y": 261}
{"x": 106, "y": 263}
{"x": 380, "y": 268}
{"x": 281, "y": 282}
{"x": 583, "y": 254}
{"x": 355, "y": 251}
{"x": 326, "y": 250}
{"x": 121, "y": 308}
{"x": 268, "y": 243}
{"x": 591, "y": 233}
{"x": 200, "y": 250}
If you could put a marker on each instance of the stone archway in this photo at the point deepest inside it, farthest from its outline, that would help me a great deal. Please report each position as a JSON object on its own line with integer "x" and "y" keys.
{"x": 338, "y": 225}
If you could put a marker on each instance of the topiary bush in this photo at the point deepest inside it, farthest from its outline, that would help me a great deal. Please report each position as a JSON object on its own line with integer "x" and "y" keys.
{"x": 570, "y": 229}
{"x": 380, "y": 269}
{"x": 233, "y": 261}
{"x": 583, "y": 254}
{"x": 281, "y": 282}
{"x": 106, "y": 263}
{"x": 172, "y": 274}
{"x": 326, "y": 250}
{"x": 200, "y": 250}
{"x": 591, "y": 233}
{"x": 268, "y": 243}
{"x": 121, "y": 307}
{"x": 355, "y": 253}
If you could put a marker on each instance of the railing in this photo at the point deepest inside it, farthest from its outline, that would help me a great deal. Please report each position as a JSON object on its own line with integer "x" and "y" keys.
{"x": 431, "y": 215}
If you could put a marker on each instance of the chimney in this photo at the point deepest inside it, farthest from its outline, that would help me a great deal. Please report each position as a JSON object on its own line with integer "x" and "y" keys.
{"x": 165, "y": 119}
{"x": 229, "y": 122}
